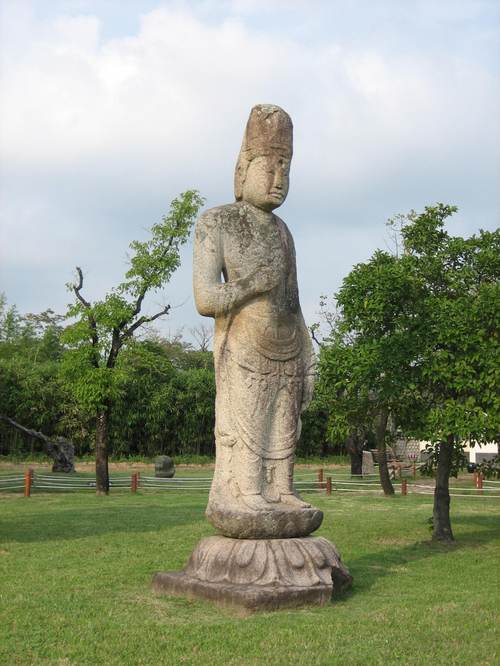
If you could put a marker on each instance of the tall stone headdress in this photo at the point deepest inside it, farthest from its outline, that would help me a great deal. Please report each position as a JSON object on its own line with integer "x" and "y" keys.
{"x": 268, "y": 129}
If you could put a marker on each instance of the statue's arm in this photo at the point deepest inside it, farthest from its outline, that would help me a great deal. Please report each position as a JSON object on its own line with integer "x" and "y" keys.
{"x": 308, "y": 350}
{"x": 212, "y": 296}
{"x": 309, "y": 367}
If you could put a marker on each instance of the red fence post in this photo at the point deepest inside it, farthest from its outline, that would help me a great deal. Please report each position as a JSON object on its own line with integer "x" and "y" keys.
{"x": 480, "y": 481}
{"x": 404, "y": 487}
{"x": 328, "y": 485}
{"x": 474, "y": 477}
{"x": 27, "y": 482}
{"x": 133, "y": 484}
{"x": 320, "y": 478}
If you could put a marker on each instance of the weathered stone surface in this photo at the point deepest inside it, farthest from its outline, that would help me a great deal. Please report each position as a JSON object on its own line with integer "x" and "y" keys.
{"x": 368, "y": 466}
{"x": 246, "y": 598}
{"x": 259, "y": 574}
{"x": 245, "y": 277}
{"x": 246, "y": 524}
{"x": 263, "y": 354}
{"x": 164, "y": 467}
{"x": 59, "y": 449}
{"x": 62, "y": 453}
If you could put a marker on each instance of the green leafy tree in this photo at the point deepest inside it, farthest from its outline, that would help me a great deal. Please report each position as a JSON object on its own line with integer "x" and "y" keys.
{"x": 103, "y": 328}
{"x": 458, "y": 357}
{"x": 416, "y": 341}
{"x": 366, "y": 360}
{"x": 10, "y": 321}
{"x": 32, "y": 390}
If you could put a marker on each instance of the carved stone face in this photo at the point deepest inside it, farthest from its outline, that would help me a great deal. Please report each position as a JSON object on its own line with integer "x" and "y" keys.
{"x": 267, "y": 180}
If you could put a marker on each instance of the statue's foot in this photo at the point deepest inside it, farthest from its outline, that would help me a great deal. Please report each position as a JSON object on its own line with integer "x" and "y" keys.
{"x": 294, "y": 501}
{"x": 256, "y": 502}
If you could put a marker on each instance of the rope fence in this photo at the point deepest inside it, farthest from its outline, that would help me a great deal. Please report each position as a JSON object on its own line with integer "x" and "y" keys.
{"x": 12, "y": 482}
{"x": 332, "y": 484}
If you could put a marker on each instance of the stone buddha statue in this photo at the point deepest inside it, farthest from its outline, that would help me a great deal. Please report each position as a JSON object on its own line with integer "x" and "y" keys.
{"x": 245, "y": 278}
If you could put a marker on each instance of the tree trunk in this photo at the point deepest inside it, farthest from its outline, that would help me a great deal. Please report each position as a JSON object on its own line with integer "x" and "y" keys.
{"x": 380, "y": 430}
{"x": 441, "y": 514}
{"x": 101, "y": 452}
{"x": 355, "y": 450}
{"x": 356, "y": 464}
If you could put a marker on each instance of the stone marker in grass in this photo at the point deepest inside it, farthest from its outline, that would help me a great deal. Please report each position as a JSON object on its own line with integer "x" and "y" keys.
{"x": 164, "y": 467}
{"x": 264, "y": 361}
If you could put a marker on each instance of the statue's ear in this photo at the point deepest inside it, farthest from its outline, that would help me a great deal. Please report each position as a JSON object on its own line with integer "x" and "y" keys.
{"x": 240, "y": 175}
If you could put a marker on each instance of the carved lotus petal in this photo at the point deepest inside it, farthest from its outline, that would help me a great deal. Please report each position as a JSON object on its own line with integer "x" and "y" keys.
{"x": 245, "y": 553}
{"x": 294, "y": 555}
{"x": 249, "y": 562}
{"x": 328, "y": 550}
{"x": 317, "y": 554}
{"x": 305, "y": 562}
{"x": 283, "y": 572}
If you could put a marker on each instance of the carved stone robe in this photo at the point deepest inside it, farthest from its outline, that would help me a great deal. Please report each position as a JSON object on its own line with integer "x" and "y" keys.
{"x": 262, "y": 350}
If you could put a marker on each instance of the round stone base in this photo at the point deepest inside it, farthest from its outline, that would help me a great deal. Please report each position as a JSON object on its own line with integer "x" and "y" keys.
{"x": 259, "y": 574}
{"x": 281, "y": 523}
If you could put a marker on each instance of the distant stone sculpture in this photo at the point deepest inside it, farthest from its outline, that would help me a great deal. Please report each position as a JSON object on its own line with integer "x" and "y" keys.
{"x": 164, "y": 467}
{"x": 59, "y": 449}
{"x": 245, "y": 278}
{"x": 62, "y": 453}
{"x": 368, "y": 464}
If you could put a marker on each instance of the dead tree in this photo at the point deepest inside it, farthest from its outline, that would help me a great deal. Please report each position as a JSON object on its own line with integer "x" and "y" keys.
{"x": 203, "y": 335}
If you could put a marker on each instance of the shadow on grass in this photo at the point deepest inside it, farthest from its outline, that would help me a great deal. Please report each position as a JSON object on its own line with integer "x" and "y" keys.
{"x": 57, "y": 522}
{"x": 368, "y": 568}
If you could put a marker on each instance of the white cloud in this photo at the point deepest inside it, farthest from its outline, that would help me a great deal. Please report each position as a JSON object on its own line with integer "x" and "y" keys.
{"x": 98, "y": 134}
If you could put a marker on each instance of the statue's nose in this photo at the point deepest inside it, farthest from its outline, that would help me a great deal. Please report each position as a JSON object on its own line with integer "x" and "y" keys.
{"x": 278, "y": 179}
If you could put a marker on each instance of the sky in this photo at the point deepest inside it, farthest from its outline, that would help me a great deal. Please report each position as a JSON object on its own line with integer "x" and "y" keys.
{"x": 111, "y": 108}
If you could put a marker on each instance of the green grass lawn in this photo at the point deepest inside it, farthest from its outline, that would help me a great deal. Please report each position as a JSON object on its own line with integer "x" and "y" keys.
{"x": 75, "y": 577}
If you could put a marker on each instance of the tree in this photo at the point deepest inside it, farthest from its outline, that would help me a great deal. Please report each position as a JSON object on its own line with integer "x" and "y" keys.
{"x": 10, "y": 321}
{"x": 362, "y": 358}
{"x": 103, "y": 328}
{"x": 32, "y": 390}
{"x": 416, "y": 341}
{"x": 458, "y": 369}
{"x": 165, "y": 393}
{"x": 203, "y": 335}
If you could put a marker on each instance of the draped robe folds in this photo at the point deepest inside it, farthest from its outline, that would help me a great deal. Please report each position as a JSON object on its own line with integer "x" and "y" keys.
{"x": 262, "y": 350}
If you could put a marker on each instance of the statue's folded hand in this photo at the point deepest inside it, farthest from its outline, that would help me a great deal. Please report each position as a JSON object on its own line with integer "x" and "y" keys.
{"x": 265, "y": 278}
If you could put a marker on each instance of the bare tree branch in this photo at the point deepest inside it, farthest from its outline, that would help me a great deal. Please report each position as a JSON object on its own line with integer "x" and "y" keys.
{"x": 78, "y": 287}
{"x": 202, "y": 334}
{"x": 92, "y": 322}
{"x": 142, "y": 320}
{"x": 313, "y": 336}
